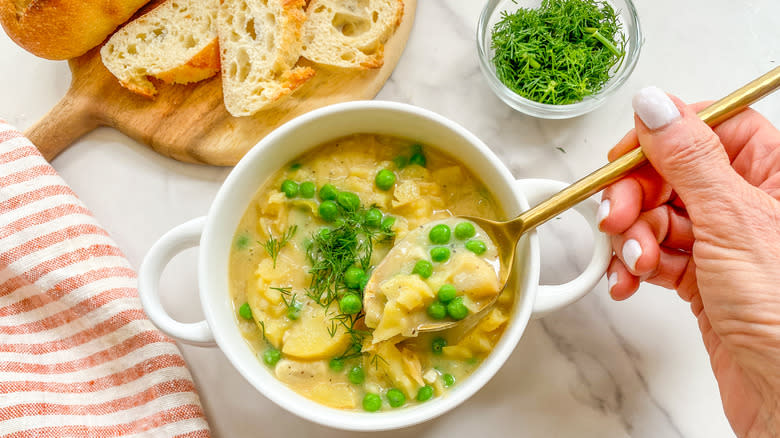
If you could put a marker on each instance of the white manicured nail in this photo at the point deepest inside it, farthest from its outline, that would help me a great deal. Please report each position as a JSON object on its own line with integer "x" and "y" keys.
{"x": 603, "y": 211}
{"x": 631, "y": 253}
{"x": 655, "y": 108}
{"x": 612, "y": 280}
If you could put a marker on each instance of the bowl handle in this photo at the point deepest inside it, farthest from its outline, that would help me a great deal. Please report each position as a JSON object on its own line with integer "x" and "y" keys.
{"x": 171, "y": 243}
{"x": 553, "y": 297}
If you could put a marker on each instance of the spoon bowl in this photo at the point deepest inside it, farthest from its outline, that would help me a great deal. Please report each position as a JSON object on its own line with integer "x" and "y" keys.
{"x": 506, "y": 234}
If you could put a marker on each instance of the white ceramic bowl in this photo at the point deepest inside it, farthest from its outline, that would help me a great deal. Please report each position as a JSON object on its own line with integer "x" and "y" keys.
{"x": 215, "y": 232}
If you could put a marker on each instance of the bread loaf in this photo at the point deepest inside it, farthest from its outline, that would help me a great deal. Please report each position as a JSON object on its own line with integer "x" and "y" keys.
{"x": 350, "y": 33}
{"x": 260, "y": 42}
{"x": 175, "y": 42}
{"x": 63, "y": 29}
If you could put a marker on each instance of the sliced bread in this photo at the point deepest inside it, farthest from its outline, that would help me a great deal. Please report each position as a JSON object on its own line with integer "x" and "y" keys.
{"x": 175, "y": 42}
{"x": 350, "y": 33}
{"x": 260, "y": 42}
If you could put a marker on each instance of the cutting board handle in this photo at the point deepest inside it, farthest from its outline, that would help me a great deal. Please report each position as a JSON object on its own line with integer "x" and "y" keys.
{"x": 62, "y": 125}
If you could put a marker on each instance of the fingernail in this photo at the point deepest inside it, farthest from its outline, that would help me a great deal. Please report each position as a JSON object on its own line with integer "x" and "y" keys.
{"x": 603, "y": 211}
{"x": 655, "y": 108}
{"x": 612, "y": 281}
{"x": 631, "y": 253}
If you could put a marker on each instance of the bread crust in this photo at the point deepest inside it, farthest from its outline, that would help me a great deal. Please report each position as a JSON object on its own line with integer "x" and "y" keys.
{"x": 262, "y": 86}
{"x": 63, "y": 29}
{"x": 202, "y": 66}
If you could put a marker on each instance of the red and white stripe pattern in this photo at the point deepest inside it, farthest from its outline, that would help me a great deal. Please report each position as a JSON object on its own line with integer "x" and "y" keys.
{"x": 77, "y": 355}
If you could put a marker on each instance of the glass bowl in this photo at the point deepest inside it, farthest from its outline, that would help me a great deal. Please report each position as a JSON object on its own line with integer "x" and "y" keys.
{"x": 491, "y": 14}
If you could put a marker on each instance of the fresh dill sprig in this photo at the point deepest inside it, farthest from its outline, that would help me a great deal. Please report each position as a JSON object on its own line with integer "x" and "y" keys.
{"x": 285, "y": 291}
{"x": 375, "y": 358}
{"x": 290, "y": 301}
{"x": 262, "y": 327}
{"x": 357, "y": 336}
{"x": 273, "y": 245}
{"x": 333, "y": 252}
{"x": 559, "y": 53}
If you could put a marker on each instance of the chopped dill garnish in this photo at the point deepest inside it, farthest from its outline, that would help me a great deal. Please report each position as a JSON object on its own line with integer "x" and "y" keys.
{"x": 273, "y": 245}
{"x": 331, "y": 253}
{"x": 559, "y": 53}
{"x": 357, "y": 336}
{"x": 285, "y": 291}
{"x": 262, "y": 327}
{"x": 290, "y": 302}
{"x": 375, "y": 358}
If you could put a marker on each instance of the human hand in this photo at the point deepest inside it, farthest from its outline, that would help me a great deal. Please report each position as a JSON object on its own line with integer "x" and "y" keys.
{"x": 704, "y": 220}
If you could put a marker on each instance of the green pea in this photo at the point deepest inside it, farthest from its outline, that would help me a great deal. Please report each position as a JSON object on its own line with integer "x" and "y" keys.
{"x": 328, "y": 192}
{"x": 242, "y": 241}
{"x": 440, "y": 254}
{"x": 387, "y": 223}
{"x": 456, "y": 309}
{"x": 245, "y": 311}
{"x": 373, "y": 218}
{"x": 384, "y": 179}
{"x": 372, "y": 402}
{"x": 449, "y": 380}
{"x": 336, "y": 364}
{"x": 425, "y": 393}
{"x": 294, "y": 311}
{"x": 438, "y": 345}
{"x": 439, "y": 234}
{"x": 395, "y": 397}
{"x": 465, "y": 230}
{"x": 289, "y": 188}
{"x": 447, "y": 293}
{"x": 350, "y": 304}
{"x": 478, "y": 247}
{"x": 324, "y": 233}
{"x": 329, "y": 211}
{"x": 308, "y": 189}
{"x": 271, "y": 356}
{"x": 356, "y": 375}
{"x": 352, "y": 277}
{"x": 418, "y": 159}
{"x": 348, "y": 200}
{"x": 423, "y": 268}
{"x": 437, "y": 310}
{"x": 400, "y": 162}
{"x": 363, "y": 282}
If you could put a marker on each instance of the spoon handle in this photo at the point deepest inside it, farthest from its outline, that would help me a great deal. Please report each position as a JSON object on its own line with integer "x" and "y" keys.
{"x": 601, "y": 178}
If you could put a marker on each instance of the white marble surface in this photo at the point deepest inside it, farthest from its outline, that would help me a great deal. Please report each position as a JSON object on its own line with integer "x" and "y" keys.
{"x": 596, "y": 369}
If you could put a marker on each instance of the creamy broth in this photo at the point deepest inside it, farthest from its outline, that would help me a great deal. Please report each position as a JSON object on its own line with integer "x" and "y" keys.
{"x": 302, "y": 255}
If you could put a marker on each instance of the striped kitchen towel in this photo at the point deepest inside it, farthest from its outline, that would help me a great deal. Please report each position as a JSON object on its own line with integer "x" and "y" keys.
{"x": 77, "y": 355}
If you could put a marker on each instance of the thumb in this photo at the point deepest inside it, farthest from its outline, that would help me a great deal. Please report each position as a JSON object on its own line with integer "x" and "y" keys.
{"x": 685, "y": 152}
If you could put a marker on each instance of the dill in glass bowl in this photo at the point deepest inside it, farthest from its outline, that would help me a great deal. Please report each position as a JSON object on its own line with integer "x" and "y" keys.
{"x": 560, "y": 62}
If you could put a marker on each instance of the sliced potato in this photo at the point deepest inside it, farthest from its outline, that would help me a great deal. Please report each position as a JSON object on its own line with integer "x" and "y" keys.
{"x": 314, "y": 380}
{"x": 308, "y": 338}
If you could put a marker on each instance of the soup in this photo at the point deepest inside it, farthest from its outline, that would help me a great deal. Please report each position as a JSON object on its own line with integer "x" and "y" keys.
{"x": 432, "y": 277}
{"x": 304, "y": 251}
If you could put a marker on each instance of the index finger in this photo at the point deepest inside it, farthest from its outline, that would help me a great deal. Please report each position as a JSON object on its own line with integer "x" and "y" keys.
{"x": 734, "y": 132}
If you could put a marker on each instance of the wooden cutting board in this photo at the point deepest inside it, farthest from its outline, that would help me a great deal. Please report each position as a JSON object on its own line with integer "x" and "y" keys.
{"x": 189, "y": 122}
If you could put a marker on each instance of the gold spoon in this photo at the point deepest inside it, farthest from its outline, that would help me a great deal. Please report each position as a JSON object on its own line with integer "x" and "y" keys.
{"x": 505, "y": 235}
